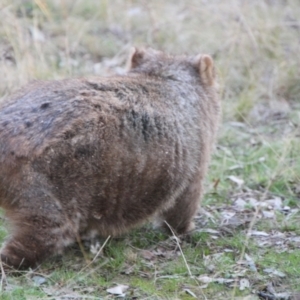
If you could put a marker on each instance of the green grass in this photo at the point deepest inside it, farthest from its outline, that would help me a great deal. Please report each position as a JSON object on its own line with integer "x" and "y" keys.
{"x": 255, "y": 45}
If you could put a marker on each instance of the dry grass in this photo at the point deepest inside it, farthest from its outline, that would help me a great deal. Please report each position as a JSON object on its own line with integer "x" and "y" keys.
{"x": 255, "y": 43}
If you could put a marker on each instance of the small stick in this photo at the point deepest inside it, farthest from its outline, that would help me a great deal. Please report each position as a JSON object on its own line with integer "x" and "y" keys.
{"x": 177, "y": 241}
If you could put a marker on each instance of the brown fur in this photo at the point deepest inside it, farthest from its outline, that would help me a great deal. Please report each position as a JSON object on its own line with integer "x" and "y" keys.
{"x": 103, "y": 155}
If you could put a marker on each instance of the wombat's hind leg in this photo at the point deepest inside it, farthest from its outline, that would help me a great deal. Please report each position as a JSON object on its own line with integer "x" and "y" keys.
{"x": 34, "y": 239}
{"x": 22, "y": 252}
{"x": 180, "y": 216}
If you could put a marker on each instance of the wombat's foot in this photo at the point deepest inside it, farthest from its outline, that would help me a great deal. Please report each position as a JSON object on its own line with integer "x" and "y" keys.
{"x": 191, "y": 226}
{"x": 23, "y": 253}
{"x": 182, "y": 229}
{"x": 34, "y": 238}
{"x": 180, "y": 216}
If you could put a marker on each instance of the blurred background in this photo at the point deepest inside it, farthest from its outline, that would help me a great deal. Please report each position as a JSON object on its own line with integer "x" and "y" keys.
{"x": 255, "y": 44}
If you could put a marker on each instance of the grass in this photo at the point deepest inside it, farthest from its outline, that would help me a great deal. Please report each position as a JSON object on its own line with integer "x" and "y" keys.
{"x": 256, "y": 46}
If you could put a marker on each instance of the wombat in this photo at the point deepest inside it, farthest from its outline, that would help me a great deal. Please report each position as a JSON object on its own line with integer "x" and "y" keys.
{"x": 99, "y": 156}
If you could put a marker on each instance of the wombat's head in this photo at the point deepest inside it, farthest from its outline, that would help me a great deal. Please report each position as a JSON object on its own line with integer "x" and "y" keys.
{"x": 199, "y": 68}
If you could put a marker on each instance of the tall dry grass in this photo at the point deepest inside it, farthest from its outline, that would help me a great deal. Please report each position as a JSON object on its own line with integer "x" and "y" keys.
{"x": 255, "y": 43}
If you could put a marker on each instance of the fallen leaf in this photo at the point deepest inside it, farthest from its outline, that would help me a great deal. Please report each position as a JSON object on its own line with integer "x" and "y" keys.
{"x": 275, "y": 203}
{"x": 190, "y": 293}
{"x": 251, "y": 263}
{"x": 223, "y": 280}
{"x": 240, "y": 204}
{"x": 118, "y": 290}
{"x": 38, "y": 280}
{"x": 274, "y": 272}
{"x": 268, "y": 214}
{"x": 236, "y": 180}
{"x": 244, "y": 284}
{"x": 147, "y": 254}
{"x": 205, "y": 279}
{"x": 283, "y": 296}
{"x": 279, "y": 274}
{"x": 258, "y": 233}
{"x": 37, "y": 34}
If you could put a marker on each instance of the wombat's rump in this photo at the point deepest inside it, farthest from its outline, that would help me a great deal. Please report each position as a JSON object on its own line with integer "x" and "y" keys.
{"x": 102, "y": 155}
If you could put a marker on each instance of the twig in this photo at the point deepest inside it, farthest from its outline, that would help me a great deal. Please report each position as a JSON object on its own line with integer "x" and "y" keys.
{"x": 3, "y": 275}
{"x": 177, "y": 241}
{"x": 102, "y": 247}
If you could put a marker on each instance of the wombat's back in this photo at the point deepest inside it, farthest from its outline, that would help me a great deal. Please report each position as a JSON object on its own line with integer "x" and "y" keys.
{"x": 106, "y": 146}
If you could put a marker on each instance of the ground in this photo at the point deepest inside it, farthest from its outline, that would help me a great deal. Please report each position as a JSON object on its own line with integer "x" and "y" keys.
{"x": 246, "y": 244}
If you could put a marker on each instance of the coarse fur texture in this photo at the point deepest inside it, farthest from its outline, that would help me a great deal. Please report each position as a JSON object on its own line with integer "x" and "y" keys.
{"x": 106, "y": 154}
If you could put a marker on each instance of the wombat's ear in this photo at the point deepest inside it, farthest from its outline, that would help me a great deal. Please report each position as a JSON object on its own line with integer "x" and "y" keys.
{"x": 206, "y": 69}
{"x": 135, "y": 58}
